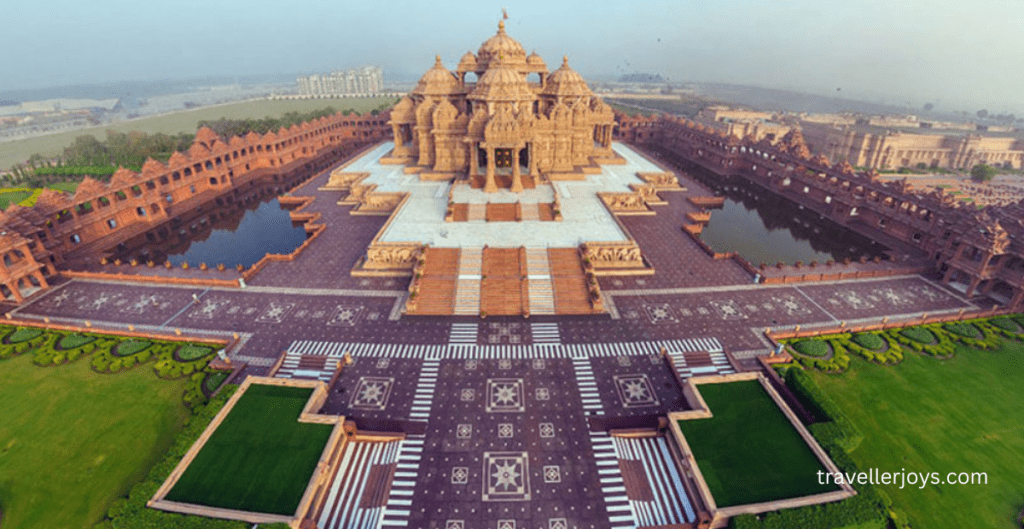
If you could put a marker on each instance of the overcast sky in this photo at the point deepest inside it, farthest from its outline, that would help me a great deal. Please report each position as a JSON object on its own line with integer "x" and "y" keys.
{"x": 957, "y": 54}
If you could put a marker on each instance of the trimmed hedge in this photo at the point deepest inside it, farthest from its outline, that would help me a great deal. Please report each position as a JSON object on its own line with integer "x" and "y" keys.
{"x": 842, "y": 432}
{"x": 214, "y": 380}
{"x": 816, "y": 348}
{"x": 869, "y": 340}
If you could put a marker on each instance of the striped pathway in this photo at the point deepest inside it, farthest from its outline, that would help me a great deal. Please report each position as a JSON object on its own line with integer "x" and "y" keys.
{"x": 587, "y": 385}
{"x": 292, "y": 367}
{"x": 545, "y": 333}
{"x": 410, "y": 452}
{"x": 671, "y": 505}
{"x": 538, "y": 279}
{"x": 342, "y": 509}
{"x": 423, "y": 399}
{"x": 461, "y": 352}
{"x": 606, "y": 457}
{"x": 463, "y": 334}
{"x": 467, "y": 288}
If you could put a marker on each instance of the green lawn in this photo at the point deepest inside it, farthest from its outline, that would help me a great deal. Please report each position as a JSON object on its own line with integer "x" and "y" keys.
{"x": 748, "y": 451}
{"x": 260, "y": 459}
{"x": 13, "y": 152}
{"x": 964, "y": 414}
{"x": 72, "y": 441}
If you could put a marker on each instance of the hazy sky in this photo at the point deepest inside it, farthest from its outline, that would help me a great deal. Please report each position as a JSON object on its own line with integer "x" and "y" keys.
{"x": 957, "y": 54}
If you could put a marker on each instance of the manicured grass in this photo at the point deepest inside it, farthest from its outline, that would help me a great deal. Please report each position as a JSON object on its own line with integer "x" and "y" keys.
{"x": 192, "y": 352}
{"x": 72, "y": 441}
{"x": 260, "y": 458}
{"x": 919, "y": 334}
{"x": 748, "y": 451}
{"x": 75, "y": 340}
{"x": 6, "y": 199}
{"x": 963, "y": 329}
{"x": 24, "y": 335}
{"x": 869, "y": 341}
{"x": 13, "y": 152}
{"x": 812, "y": 347}
{"x": 963, "y": 414}
{"x": 130, "y": 347}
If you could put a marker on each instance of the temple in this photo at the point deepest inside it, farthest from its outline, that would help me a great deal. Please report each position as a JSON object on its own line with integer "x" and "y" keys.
{"x": 503, "y": 125}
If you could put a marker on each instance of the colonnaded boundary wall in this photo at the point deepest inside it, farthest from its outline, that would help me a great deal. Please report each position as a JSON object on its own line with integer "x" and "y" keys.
{"x": 63, "y": 229}
{"x": 981, "y": 249}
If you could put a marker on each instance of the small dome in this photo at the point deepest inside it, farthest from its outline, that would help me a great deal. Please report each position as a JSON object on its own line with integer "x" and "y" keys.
{"x": 437, "y": 81}
{"x": 501, "y": 46}
{"x": 566, "y": 82}
{"x": 535, "y": 61}
{"x": 468, "y": 61}
{"x": 502, "y": 83}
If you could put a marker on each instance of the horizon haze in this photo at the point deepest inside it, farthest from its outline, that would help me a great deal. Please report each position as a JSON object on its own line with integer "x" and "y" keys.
{"x": 953, "y": 55}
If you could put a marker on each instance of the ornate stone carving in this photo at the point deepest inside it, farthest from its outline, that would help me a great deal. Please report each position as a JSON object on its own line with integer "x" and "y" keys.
{"x": 613, "y": 255}
{"x": 392, "y": 255}
{"x": 624, "y": 202}
{"x": 659, "y": 180}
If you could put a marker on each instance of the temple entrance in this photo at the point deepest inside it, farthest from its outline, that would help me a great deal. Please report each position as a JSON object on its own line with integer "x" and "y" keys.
{"x": 503, "y": 158}
{"x": 524, "y": 157}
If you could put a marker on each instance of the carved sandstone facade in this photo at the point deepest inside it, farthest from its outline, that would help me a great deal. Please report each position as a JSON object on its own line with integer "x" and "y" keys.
{"x": 503, "y": 123}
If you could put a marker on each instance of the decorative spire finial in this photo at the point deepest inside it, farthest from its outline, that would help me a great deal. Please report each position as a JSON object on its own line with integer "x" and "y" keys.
{"x": 565, "y": 61}
{"x": 437, "y": 61}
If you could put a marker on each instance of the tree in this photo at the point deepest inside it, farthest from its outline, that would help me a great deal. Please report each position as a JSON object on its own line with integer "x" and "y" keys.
{"x": 928, "y": 107}
{"x": 983, "y": 113}
{"x": 982, "y": 172}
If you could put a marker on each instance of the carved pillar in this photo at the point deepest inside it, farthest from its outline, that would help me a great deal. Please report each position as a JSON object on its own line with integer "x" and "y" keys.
{"x": 490, "y": 186}
{"x": 1018, "y": 299}
{"x": 16, "y": 292}
{"x": 972, "y": 287}
{"x": 396, "y": 130}
{"x": 948, "y": 275}
{"x": 42, "y": 280}
{"x": 531, "y": 152}
{"x": 474, "y": 159}
{"x": 517, "y": 179}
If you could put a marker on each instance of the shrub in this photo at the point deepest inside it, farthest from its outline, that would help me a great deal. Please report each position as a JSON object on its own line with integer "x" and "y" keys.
{"x": 963, "y": 329}
{"x": 214, "y": 380}
{"x": 24, "y": 335}
{"x": 1005, "y": 324}
{"x": 817, "y": 348}
{"x": 869, "y": 341}
{"x": 130, "y": 347}
{"x": 190, "y": 352}
{"x": 919, "y": 335}
{"x": 72, "y": 341}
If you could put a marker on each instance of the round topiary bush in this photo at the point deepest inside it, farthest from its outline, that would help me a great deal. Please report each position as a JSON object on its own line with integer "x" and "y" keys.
{"x": 919, "y": 335}
{"x": 870, "y": 341}
{"x": 966, "y": 330}
{"x": 816, "y": 348}
{"x": 213, "y": 381}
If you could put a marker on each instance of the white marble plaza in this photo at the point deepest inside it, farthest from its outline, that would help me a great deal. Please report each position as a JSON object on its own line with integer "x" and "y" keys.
{"x": 421, "y": 219}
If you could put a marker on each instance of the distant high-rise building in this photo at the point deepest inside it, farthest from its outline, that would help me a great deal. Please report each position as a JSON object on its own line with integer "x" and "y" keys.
{"x": 365, "y": 80}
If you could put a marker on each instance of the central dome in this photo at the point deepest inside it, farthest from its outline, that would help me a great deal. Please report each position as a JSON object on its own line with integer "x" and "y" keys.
{"x": 501, "y": 46}
{"x": 502, "y": 83}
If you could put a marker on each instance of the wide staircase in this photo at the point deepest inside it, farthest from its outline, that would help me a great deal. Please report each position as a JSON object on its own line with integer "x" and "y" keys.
{"x": 476, "y": 212}
{"x": 440, "y": 272}
{"x": 502, "y": 289}
{"x": 502, "y": 282}
{"x": 569, "y": 281}
{"x": 538, "y": 282}
{"x": 467, "y": 288}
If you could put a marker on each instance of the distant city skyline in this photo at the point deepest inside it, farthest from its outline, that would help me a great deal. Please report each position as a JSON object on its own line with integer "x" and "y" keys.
{"x": 956, "y": 55}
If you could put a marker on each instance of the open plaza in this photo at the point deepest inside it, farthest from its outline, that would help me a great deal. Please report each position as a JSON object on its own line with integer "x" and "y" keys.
{"x": 497, "y": 311}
